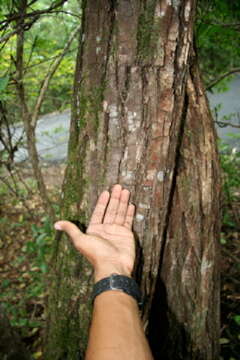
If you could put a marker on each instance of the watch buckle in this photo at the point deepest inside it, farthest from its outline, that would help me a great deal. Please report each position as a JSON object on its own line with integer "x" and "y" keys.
{"x": 112, "y": 285}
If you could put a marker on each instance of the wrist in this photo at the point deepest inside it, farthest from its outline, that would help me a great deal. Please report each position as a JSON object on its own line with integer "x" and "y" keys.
{"x": 118, "y": 283}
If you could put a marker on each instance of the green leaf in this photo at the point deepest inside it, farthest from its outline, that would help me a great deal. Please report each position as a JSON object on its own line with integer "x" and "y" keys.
{"x": 223, "y": 241}
{"x": 20, "y": 322}
{"x": 5, "y": 283}
{"x": 237, "y": 319}
{"x": 30, "y": 247}
{"x": 223, "y": 341}
{"x": 41, "y": 240}
{"x": 43, "y": 268}
{"x": 3, "y": 82}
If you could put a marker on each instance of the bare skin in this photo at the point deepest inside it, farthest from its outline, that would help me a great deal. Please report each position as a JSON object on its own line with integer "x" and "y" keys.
{"x": 116, "y": 331}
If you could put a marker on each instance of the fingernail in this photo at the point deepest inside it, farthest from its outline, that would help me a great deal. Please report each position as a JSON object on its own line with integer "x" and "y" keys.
{"x": 57, "y": 226}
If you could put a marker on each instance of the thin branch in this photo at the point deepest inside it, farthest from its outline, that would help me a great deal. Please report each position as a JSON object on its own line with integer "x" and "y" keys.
{"x": 66, "y": 12}
{"x": 48, "y": 77}
{"x": 231, "y": 255}
{"x": 20, "y": 179}
{"x": 26, "y": 115}
{"x": 25, "y": 26}
{"x": 46, "y": 60}
{"x": 17, "y": 16}
{"x": 32, "y": 2}
{"x": 11, "y": 82}
{"x": 237, "y": 25}
{"x": 33, "y": 45}
{"x": 223, "y": 124}
{"x": 16, "y": 193}
{"x": 221, "y": 77}
{"x": 6, "y": 137}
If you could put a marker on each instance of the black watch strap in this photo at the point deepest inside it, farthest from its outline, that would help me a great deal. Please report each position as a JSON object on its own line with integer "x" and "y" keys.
{"x": 120, "y": 283}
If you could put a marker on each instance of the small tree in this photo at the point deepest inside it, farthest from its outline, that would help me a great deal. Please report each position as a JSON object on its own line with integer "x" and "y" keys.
{"x": 19, "y": 19}
{"x": 140, "y": 117}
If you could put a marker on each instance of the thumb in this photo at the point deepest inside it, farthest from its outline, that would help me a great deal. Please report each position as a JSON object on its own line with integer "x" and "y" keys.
{"x": 72, "y": 230}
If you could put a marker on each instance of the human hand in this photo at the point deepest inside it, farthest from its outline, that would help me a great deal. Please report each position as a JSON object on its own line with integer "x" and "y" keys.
{"x": 109, "y": 241}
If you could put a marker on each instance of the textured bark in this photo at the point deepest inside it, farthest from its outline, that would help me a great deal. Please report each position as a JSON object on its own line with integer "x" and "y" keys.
{"x": 188, "y": 272}
{"x": 140, "y": 118}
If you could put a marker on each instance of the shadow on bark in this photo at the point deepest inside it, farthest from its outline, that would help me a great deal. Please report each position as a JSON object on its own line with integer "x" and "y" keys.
{"x": 167, "y": 337}
{"x": 139, "y": 261}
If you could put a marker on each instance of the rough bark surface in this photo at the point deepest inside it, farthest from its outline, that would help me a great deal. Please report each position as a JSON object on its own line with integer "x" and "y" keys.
{"x": 140, "y": 118}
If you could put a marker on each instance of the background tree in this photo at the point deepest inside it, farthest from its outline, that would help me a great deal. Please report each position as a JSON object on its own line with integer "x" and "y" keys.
{"x": 30, "y": 94}
{"x": 140, "y": 117}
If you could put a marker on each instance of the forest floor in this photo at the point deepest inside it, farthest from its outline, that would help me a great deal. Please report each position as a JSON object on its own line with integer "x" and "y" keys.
{"x": 26, "y": 235}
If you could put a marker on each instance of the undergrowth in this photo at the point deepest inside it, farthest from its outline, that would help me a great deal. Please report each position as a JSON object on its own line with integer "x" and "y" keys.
{"x": 230, "y": 260}
{"x": 26, "y": 236}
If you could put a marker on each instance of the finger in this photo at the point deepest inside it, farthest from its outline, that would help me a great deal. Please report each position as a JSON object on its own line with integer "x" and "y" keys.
{"x": 129, "y": 217}
{"x": 98, "y": 213}
{"x": 73, "y": 231}
{"x": 113, "y": 205}
{"x": 122, "y": 207}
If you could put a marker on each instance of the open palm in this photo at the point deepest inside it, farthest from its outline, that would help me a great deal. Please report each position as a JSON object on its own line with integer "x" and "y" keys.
{"x": 109, "y": 242}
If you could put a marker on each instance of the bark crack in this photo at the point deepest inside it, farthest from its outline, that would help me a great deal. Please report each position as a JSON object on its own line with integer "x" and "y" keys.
{"x": 174, "y": 179}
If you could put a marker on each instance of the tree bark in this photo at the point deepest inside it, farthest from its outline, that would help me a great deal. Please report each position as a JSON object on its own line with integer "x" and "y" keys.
{"x": 140, "y": 117}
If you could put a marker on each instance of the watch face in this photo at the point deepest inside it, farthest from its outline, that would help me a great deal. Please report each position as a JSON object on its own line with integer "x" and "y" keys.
{"x": 120, "y": 283}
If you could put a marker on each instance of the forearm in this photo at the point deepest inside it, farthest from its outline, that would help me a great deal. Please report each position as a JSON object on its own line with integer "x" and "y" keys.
{"x": 116, "y": 331}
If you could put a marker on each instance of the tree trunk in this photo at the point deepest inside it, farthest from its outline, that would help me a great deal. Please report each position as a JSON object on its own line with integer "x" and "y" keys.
{"x": 140, "y": 117}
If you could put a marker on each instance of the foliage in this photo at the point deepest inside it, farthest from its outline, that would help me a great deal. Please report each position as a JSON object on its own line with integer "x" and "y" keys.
{"x": 217, "y": 33}
{"x": 34, "y": 253}
{"x": 41, "y": 46}
{"x": 230, "y": 246}
{"x": 26, "y": 235}
{"x": 23, "y": 297}
{"x": 230, "y": 162}
{"x": 217, "y": 36}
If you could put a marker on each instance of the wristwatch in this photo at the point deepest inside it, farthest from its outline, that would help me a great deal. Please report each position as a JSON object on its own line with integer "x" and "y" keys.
{"x": 120, "y": 283}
